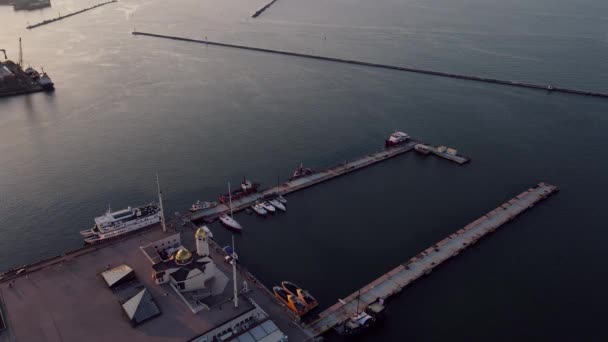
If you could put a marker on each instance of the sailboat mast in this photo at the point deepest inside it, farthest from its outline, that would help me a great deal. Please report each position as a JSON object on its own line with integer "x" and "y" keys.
{"x": 230, "y": 198}
{"x": 358, "y": 298}
{"x": 160, "y": 202}
{"x": 236, "y": 294}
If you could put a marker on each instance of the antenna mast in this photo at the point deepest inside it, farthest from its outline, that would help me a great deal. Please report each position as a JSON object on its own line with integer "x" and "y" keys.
{"x": 230, "y": 199}
{"x": 233, "y": 262}
{"x": 160, "y": 202}
{"x": 20, "y": 54}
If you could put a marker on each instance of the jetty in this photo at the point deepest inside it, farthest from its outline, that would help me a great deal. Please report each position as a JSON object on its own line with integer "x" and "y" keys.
{"x": 545, "y": 87}
{"x": 61, "y": 17}
{"x": 261, "y": 10}
{"x": 306, "y": 181}
{"x": 422, "y": 264}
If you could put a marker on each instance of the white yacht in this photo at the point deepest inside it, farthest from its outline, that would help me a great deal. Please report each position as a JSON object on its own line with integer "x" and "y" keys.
{"x": 229, "y": 221}
{"x": 268, "y": 207}
{"x": 281, "y": 199}
{"x": 396, "y": 139}
{"x": 259, "y": 209}
{"x": 202, "y": 205}
{"x": 275, "y": 203}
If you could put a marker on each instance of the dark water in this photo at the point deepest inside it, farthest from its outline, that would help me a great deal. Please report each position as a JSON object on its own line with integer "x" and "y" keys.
{"x": 127, "y": 107}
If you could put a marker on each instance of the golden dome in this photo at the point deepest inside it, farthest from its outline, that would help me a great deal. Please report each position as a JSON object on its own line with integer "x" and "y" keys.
{"x": 200, "y": 233}
{"x": 183, "y": 256}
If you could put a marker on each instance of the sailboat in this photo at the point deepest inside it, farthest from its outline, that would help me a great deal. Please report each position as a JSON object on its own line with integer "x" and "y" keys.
{"x": 359, "y": 321}
{"x": 229, "y": 221}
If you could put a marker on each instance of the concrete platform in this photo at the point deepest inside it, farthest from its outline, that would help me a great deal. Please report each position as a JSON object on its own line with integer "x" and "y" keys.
{"x": 67, "y": 300}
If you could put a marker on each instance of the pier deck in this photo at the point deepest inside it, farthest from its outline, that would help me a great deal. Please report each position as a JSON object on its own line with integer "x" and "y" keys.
{"x": 422, "y": 264}
{"x": 306, "y": 181}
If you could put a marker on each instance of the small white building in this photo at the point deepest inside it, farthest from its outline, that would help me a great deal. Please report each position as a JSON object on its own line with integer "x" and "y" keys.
{"x": 186, "y": 270}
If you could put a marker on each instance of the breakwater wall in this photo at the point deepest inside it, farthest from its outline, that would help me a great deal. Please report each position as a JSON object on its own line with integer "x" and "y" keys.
{"x": 261, "y": 10}
{"x": 61, "y": 17}
{"x": 547, "y": 88}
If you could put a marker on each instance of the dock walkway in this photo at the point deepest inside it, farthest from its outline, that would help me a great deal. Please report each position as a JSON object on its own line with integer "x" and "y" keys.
{"x": 304, "y": 182}
{"x": 545, "y": 87}
{"x": 401, "y": 276}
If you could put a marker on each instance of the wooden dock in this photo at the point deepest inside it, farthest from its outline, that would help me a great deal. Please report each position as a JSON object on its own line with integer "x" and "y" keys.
{"x": 422, "y": 264}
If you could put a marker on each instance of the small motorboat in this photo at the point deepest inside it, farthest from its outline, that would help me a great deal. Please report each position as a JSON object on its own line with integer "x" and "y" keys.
{"x": 231, "y": 223}
{"x": 301, "y": 294}
{"x": 281, "y": 199}
{"x": 275, "y": 203}
{"x": 259, "y": 209}
{"x": 202, "y": 205}
{"x": 231, "y": 253}
{"x": 292, "y": 302}
{"x": 268, "y": 207}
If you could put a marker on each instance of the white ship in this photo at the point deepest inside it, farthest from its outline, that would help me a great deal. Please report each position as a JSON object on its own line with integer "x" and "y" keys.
{"x": 396, "y": 139}
{"x": 113, "y": 224}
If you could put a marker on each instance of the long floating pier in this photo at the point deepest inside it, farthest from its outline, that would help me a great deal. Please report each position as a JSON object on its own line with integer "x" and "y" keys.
{"x": 261, "y": 10}
{"x": 548, "y": 88}
{"x": 422, "y": 264}
{"x": 306, "y": 181}
{"x": 48, "y": 21}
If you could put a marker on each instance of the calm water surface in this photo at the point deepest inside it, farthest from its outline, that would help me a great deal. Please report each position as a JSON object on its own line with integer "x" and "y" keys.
{"x": 126, "y": 107}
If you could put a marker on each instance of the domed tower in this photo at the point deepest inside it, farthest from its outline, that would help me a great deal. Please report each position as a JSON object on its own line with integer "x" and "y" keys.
{"x": 202, "y": 245}
{"x": 183, "y": 257}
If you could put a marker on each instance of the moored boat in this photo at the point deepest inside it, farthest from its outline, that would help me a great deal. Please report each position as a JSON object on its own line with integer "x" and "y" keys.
{"x": 308, "y": 300}
{"x": 281, "y": 199}
{"x": 231, "y": 253}
{"x": 300, "y": 171}
{"x": 113, "y": 224}
{"x": 291, "y": 301}
{"x": 268, "y": 207}
{"x": 45, "y": 82}
{"x": 247, "y": 187}
{"x": 259, "y": 209}
{"x": 396, "y": 139}
{"x": 275, "y": 203}
{"x": 202, "y": 205}
{"x": 231, "y": 223}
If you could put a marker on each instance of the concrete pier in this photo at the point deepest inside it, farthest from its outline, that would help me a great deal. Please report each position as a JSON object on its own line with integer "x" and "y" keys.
{"x": 422, "y": 264}
{"x": 61, "y": 17}
{"x": 545, "y": 87}
{"x": 261, "y": 10}
{"x": 305, "y": 181}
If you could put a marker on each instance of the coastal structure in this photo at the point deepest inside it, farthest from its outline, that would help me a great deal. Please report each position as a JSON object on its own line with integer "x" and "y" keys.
{"x": 544, "y": 87}
{"x": 423, "y": 264}
{"x": 117, "y": 291}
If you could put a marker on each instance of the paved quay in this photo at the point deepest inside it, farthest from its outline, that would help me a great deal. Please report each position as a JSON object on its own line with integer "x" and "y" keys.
{"x": 66, "y": 299}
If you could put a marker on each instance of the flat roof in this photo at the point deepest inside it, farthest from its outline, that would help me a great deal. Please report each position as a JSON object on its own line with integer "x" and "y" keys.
{"x": 70, "y": 301}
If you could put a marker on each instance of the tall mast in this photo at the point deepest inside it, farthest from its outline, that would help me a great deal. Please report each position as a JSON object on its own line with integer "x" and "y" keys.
{"x": 230, "y": 198}
{"x": 358, "y": 297}
{"x": 236, "y": 294}
{"x": 160, "y": 202}
{"x": 20, "y": 54}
